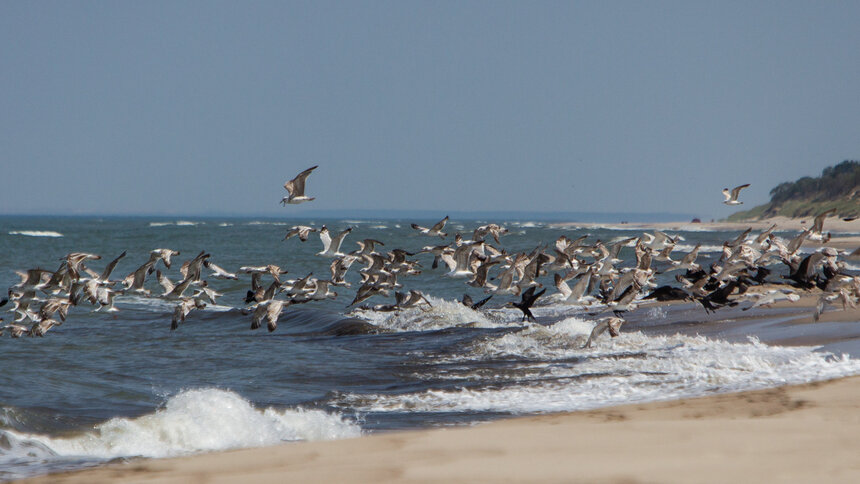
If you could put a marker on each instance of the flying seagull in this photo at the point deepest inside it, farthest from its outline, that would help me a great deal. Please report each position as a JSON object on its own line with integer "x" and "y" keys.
{"x": 434, "y": 230}
{"x": 732, "y": 197}
{"x": 301, "y": 230}
{"x": 296, "y": 188}
{"x": 331, "y": 245}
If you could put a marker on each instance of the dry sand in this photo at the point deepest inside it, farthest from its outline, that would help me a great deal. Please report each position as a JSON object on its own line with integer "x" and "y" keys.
{"x": 804, "y": 433}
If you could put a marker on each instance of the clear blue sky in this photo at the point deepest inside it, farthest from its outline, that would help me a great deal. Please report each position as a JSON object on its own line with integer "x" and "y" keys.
{"x": 209, "y": 107}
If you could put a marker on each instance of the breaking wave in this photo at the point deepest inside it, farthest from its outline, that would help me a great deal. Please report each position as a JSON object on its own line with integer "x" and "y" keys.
{"x": 547, "y": 369}
{"x": 36, "y": 233}
{"x": 192, "y": 421}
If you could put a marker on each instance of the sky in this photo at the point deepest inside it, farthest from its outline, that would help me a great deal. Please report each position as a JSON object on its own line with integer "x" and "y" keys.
{"x": 209, "y": 107}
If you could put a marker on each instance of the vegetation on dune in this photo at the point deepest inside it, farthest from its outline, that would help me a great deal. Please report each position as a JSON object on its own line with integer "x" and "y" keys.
{"x": 838, "y": 187}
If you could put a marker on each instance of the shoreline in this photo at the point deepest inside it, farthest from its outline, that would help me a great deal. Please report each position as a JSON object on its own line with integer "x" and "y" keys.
{"x": 831, "y": 224}
{"x": 846, "y": 235}
{"x": 797, "y": 433}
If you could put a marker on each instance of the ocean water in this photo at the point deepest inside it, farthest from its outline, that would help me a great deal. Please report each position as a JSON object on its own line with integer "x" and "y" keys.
{"x": 112, "y": 386}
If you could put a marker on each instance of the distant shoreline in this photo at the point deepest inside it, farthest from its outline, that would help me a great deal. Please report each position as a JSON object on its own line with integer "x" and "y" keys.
{"x": 831, "y": 224}
{"x": 846, "y": 235}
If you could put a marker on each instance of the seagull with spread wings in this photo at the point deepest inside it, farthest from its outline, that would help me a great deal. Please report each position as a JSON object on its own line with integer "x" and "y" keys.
{"x": 732, "y": 197}
{"x": 296, "y": 188}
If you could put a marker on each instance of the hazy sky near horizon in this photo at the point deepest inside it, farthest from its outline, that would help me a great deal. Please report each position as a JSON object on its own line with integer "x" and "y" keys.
{"x": 209, "y": 107}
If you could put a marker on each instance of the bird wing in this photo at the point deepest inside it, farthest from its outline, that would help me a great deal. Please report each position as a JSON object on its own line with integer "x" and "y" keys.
{"x": 818, "y": 225}
{"x": 325, "y": 237}
{"x": 296, "y": 186}
{"x": 339, "y": 239}
{"x": 439, "y": 224}
{"x": 110, "y": 267}
{"x": 737, "y": 190}
{"x": 165, "y": 282}
{"x": 562, "y": 286}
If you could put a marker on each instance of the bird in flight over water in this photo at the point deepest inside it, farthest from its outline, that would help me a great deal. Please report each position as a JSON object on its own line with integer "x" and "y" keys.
{"x": 296, "y": 188}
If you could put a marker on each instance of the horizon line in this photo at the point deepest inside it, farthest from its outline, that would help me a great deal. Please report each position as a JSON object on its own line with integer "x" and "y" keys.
{"x": 392, "y": 214}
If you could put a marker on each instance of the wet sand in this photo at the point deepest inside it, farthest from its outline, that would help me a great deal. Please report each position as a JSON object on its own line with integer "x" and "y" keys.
{"x": 798, "y": 433}
{"x": 804, "y": 433}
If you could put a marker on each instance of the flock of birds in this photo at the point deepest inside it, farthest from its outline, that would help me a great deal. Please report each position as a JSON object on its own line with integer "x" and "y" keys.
{"x": 585, "y": 274}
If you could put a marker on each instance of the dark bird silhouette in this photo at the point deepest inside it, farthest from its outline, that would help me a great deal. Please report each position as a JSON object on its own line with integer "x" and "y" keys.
{"x": 720, "y": 297}
{"x": 668, "y": 293}
{"x": 805, "y": 272}
{"x": 467, "y": 301}
{"x": 528, "y": 299}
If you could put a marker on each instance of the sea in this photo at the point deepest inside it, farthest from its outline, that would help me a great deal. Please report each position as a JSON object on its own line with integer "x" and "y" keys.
{"x": 108, "y": 387}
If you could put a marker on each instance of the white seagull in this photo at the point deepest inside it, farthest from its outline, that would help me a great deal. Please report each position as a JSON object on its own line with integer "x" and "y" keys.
{"x": 732, "y": 197}
{"x": 331, "y": 245}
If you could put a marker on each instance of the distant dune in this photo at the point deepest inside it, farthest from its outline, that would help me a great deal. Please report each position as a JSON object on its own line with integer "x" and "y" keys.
{"x": 837, "y": 188}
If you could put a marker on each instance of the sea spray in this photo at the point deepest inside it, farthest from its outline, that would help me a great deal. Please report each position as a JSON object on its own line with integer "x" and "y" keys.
{"x": 548, "y": 370}
{"x": 192, "y": 421}
{"x": 442, "y": 314}
{"x": 36, "y": 233}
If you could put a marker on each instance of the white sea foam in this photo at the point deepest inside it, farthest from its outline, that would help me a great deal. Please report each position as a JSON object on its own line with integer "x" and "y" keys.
{"x": 159, "y": 304}
{"x": 36, "y": 233}
{"x": 225, "y": 225}
{"x": 192, "y": 421}
{"x": 702, "y": 249}
{"x": 697, "y": 228}
{"x": 258, "y": 222}
{"x": 443, "y": 314}
{"x": 630, "y": 368}
{"x": 611, "y": 227}
{"x": 178, "y": 223}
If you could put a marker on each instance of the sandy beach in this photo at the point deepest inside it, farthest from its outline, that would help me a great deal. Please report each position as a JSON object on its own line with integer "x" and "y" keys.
{"x": 835, "y": 225}
{"x": 803, "y": 433}
{"x": 844, "y": 234}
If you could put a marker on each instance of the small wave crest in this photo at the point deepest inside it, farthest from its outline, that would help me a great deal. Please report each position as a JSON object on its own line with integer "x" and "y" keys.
{"x": 702, "y": 248}
{"x": 36, "y": 233}
{"x": 442, "y": 314}
{"x": 178, "y": 223}
{"x": 192, "y": 421}
{"x": 548, "y": 369}
{"x": 260, "y": 222}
